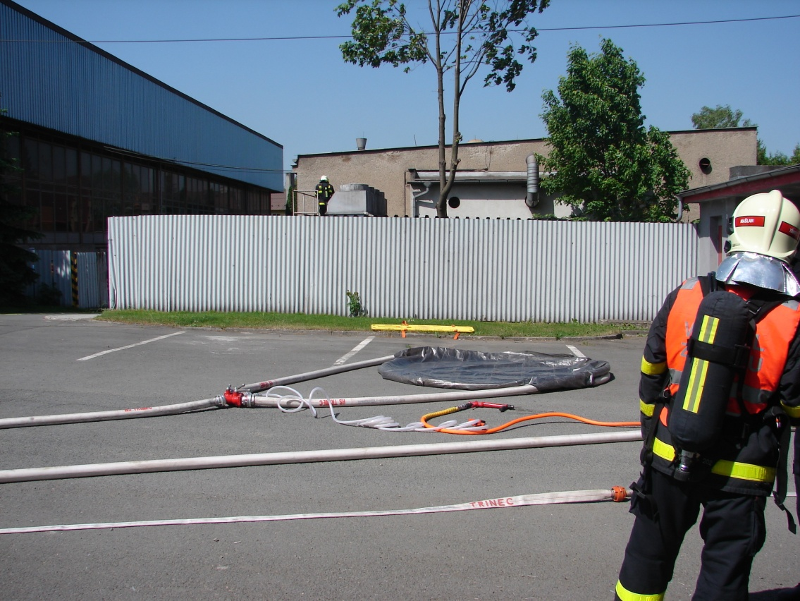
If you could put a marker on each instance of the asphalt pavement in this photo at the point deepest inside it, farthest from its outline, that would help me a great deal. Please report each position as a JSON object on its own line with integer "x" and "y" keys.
{"x": 59, "y": 365}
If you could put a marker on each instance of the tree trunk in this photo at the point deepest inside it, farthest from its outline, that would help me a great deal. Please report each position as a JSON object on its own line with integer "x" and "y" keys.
{"x": 441, "y": 204}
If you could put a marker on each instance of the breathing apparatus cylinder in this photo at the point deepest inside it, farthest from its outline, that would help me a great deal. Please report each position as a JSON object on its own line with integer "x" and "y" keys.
{"x": 717, "y": 351}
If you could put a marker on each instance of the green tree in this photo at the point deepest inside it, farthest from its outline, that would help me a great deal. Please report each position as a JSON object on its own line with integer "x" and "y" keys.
{"x": 605, "y": 164}
{"x": 719, "y": 117}
{"x": 16, "y": 272}
{"x": 725, "y": 116}
{"x": 465, "y": 36}
{"x": 779, "y": 158}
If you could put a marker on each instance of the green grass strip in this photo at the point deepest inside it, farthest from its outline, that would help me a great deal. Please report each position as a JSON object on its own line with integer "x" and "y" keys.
{"x": 299, "y": 321}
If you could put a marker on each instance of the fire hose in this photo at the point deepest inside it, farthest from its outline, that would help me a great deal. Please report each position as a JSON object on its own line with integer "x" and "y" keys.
{"x": 282, "y": 458}
{"x": 217, "y": 402}
{"x": 617, "y": 494}
{"x": 292, "y": 401}
{"x": 247, "y": 395}
{"x": 235, "y": 398}
{"x": 481, "y": 429}
{"x": 241, "y": 397}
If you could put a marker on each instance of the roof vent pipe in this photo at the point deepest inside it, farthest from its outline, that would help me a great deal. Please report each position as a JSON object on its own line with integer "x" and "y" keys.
{"x": 532, "y": 197}
{"x": 361, "y": 143}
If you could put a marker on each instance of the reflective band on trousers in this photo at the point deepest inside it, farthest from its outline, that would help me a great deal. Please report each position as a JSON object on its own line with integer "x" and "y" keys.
{"x": 646, "y": 408}
{"x": 627, "y": 595}
{"x": 723, "y": 467}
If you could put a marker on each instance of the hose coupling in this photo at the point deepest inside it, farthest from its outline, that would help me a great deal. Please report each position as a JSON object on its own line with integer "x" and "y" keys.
{"x": 619, "y": 494}
{"x": 234, "y": 398}
{"x": 482, "y": 405}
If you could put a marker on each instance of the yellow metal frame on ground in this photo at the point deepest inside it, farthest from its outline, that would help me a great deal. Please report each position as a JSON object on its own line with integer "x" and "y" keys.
{"x": 404, "y": 327}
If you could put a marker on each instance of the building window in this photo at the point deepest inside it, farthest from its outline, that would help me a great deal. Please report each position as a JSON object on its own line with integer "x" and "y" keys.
{"x": 74, "y": 186}
{"x": 173, "y": 193}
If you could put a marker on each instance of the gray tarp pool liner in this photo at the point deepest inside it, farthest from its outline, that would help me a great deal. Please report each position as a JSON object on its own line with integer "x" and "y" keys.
{"x": 475, "y": 370}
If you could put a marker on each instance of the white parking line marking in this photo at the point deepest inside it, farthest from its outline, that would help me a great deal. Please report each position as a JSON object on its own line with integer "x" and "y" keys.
{"x": 122, "y": 348}
{"x": 576, "y": 352}
{"x": 358, "y": 347}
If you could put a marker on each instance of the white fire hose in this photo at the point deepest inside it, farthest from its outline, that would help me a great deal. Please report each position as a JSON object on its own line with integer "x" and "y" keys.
{"x": 282, "y": 458}
{"x": 215, "y": 403}
{"x": 97, "y": 416}
{"x": 247, "y": 395}
{"x": 616, "y": 493}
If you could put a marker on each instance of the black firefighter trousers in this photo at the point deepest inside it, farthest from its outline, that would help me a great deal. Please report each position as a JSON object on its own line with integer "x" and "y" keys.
{"x": 732, "y": 528}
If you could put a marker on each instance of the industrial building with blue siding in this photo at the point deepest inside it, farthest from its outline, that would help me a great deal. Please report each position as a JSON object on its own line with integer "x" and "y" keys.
{"x": 97, "y": 138}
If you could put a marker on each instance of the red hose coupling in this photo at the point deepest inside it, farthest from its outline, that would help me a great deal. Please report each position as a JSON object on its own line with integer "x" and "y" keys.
{"x": 482, "y": 405}
{"x": 233, "y": 398}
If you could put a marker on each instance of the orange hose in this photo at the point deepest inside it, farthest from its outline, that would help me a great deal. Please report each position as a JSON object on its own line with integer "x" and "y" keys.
{"x": 585, "y": 420}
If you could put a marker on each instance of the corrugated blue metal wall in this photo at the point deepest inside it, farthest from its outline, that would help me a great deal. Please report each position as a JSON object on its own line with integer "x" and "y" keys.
{"x": 49, "y": 79}
{"x": 497, "y": 270}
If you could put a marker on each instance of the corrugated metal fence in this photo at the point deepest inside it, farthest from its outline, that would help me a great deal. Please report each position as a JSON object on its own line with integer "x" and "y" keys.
{"x": 491, "y": 269}
{"x": 55, "y": 272}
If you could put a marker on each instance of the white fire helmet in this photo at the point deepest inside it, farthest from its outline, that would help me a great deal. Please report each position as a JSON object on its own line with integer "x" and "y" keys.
{"x": 767, "y": 224}
{"x": 324, "y": 178}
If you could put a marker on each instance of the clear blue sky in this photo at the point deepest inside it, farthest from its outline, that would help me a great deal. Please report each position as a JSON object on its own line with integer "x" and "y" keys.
{"x": 301, "y": 94}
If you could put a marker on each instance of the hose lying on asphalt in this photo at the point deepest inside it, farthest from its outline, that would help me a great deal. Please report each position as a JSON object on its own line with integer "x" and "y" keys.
{"x": 281, "y": 458}
{"x": 235, "y": 398}
{"x": 482, "y": 429}
{"x": 319, "y": 373}
{"x": 218, "y": 402}
{"x": 246, "y": 396}
{"x": 290, "y": 400}
{"x": 616, "y": 494}
{"x": 98, "y": 416}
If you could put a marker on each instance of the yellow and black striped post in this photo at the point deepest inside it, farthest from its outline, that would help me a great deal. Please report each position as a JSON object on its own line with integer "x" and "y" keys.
{"x": 74, "y": 271}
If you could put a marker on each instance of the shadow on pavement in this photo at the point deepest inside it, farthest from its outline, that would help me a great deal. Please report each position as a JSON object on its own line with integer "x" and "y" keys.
{"x": 777, "y": 594}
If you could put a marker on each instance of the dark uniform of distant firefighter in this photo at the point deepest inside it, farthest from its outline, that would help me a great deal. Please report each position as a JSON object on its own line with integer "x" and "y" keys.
{"x": 324, "y": 194}
{"x": 718, "y": 390}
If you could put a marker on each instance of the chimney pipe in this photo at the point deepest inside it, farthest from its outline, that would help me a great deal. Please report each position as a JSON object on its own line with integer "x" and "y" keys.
{"x": 532, "y": 197}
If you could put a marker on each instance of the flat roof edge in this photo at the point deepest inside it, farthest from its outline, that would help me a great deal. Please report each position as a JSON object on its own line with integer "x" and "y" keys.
{"x": 89, "y": 46}
{"x": 788, "y": 174}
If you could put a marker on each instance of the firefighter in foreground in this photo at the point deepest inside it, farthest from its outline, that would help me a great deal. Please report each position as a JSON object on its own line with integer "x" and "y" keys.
{"x": 718, "y": 388}
{"x": 324, "y": 194}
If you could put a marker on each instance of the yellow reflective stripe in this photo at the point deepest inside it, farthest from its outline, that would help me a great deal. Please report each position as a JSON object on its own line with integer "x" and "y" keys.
{"x": 697, "y": 377}
{"x": 723, "y": 467}
{"x": 646, "y": 408}
{"x": 695, "y": 385}
{"x": 653, "y": 369}
{"x": 790, "y": 411}
{"x": 743, "y": 471}
{"x": 709, "y": 330}
{"x": 663, "y": 450}
{"x": 627, "y": 595}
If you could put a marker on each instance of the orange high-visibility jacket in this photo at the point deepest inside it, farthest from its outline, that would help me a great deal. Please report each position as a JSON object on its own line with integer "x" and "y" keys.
{"x": 744, "y": 461}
